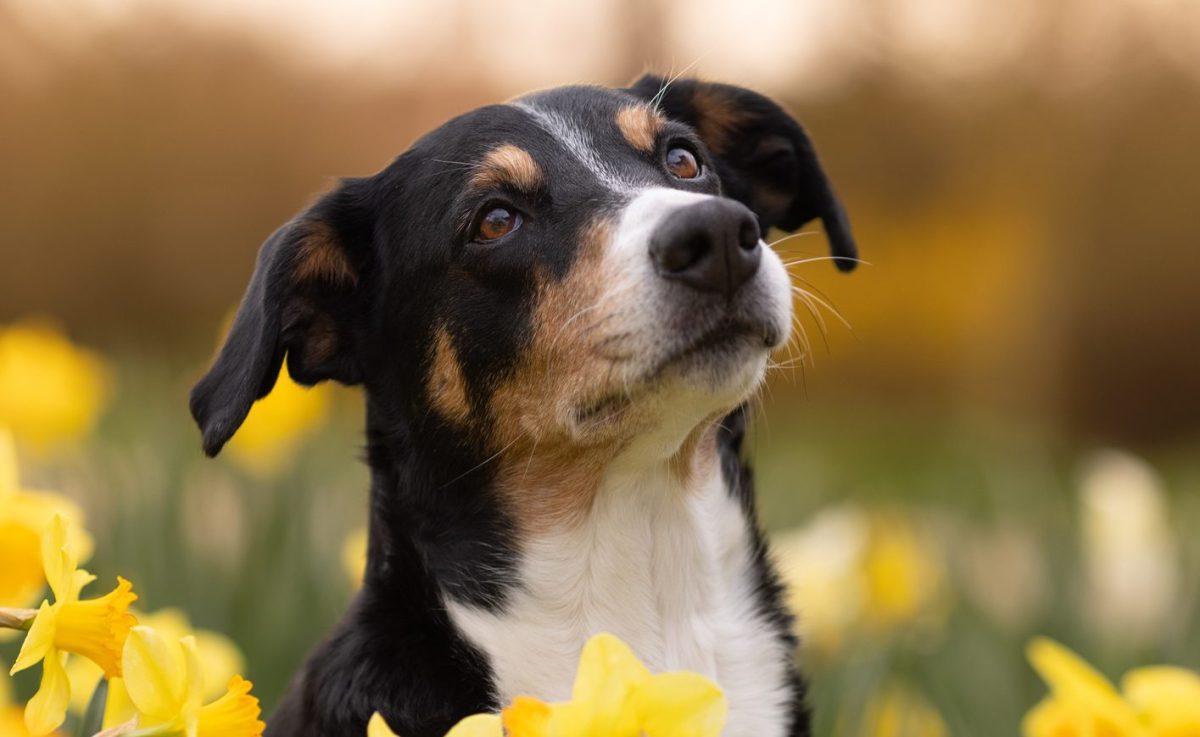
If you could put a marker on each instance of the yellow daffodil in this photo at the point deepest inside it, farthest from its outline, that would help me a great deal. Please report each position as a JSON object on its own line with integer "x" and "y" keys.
{"x": 12, "y": 714}
{"x": 220, "y": 660}
{"x": 1082, "y": 702}
{"x": 850, "y": 570}
{"x": 377, "y": 727}
{"x": 897, "y": 711}
{"x": 277, "y": 425}
{"x": 1166, "y": 699}
{"x": 93, "y": 628}
{"x": 905, "y": 575}
{"x": 164, "y": 681}
{"x": 479, "y": 725}
{"x": 50, "y": 390}
{"x": 24, "y": 514}
{"x": 614, "y": 695}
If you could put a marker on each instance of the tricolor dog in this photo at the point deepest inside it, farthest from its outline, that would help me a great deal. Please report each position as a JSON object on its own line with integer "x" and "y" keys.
{"x": 556, "y": 308}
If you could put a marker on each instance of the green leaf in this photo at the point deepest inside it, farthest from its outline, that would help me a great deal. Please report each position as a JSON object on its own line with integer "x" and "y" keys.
{"x": 93, "y": 718}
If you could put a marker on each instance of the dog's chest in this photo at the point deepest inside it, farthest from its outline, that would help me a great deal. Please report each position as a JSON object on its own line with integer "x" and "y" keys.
{"x": 667, "y": 571}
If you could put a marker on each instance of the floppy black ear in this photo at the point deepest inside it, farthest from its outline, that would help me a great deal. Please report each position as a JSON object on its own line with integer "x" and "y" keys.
{"x": 764, "y": 158}
{"x": 302, "y": 302}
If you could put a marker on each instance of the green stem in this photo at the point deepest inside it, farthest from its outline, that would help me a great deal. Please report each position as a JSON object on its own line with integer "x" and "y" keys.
{"x": 17, "y": 619}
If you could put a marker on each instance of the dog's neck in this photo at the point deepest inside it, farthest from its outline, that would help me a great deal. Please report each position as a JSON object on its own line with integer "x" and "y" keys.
{"x": 468, "y": 519}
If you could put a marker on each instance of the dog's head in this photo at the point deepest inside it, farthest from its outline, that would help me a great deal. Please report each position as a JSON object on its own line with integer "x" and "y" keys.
{"x": 575, "y": 269}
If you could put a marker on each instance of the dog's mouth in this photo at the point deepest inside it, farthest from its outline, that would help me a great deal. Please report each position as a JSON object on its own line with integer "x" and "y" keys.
{"x": 726, "y": 342}
{"x": 717, "y": 352}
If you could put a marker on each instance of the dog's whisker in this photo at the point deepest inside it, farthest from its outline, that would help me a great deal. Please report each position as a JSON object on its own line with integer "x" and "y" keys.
{"x": 816, "y": 314}
{"x": 790, "y": 236}
{"x": 814, "y": 259}
{"x": 832, "y": 310}
{"x": 480, "y": 465}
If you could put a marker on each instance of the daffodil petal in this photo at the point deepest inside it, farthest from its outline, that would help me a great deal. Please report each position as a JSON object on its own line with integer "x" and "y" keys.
{"x": 1072, "y": 679}
{"x": 527, "y": 717}
{"x": 478, "y": 725}
{"x": 118, "y": 709}
{"x": 680, "y": 705}
{"x": 606, "y": 660}
{"x": 79, "y": 579}
{"x": 38, "y": 641}
{"x": 1166, "y": 697}
{"x": 377, "y": 727}
{"x": 154, "y": 672}
{"x": 47, "y": 710}
{"x": 194, "y": 685}
{"x": 56, "y": 559}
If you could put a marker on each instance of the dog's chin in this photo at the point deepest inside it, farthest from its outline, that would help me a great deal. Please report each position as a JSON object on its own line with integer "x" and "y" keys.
{"x": 710, "y": 373}
{"x": 727, "y": 359}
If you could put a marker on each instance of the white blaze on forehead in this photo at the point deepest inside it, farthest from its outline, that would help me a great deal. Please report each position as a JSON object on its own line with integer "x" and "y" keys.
{"x": 579, "y": 143}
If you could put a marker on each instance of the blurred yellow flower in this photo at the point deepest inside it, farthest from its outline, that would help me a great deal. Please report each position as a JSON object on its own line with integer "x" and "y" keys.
{"x": 851, "y": 570}
{"x": 164, "y": 683}
{"x": 1131, "y": 562}
{"x": 354, "y": 556}
{"x": 905, "y": 574}
{"x": 1082, "y": 702}
{"x": 1166, "y": 699}
{"x": 897, "y": 711}
{"x": 24, "y": 514}
{"x": 277, "y": 425}
{"x": 93, "y": 628}
{"x": 614, "y": 695}
{"x": 12, "y": 715}
{"x": 51, "y": 390}
{"x": 220, "y": 659}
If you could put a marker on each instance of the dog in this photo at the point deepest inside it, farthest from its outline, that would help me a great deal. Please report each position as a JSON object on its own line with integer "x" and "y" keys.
{"x": 557, "y": 308}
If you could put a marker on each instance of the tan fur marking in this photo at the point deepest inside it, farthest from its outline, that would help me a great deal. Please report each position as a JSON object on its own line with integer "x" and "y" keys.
{"x": 320, "y": 258}
{"x": 549, "y": 475}
{"x": 718, "y": 117}
{"x": 507, "y": 165}
{"x": 640, "y": 125}
{"x": 446, "y": 387}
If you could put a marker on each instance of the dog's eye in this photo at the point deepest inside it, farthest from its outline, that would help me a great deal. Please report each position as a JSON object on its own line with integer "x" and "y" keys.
{"x": 682, "y": 164}
{"x": 496, "y": 223}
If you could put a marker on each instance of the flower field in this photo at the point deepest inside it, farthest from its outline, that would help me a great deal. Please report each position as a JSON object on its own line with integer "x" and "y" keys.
{"x": 951, "y": 575}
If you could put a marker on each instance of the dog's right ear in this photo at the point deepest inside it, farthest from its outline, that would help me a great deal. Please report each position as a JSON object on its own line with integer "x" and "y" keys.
{"x": 303, "y": 302}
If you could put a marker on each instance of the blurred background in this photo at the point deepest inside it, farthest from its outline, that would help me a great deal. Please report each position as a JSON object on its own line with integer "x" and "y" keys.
{"x": 1004, "y": 443}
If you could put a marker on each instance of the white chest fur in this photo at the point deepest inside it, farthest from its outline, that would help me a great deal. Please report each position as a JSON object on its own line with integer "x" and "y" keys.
{"x": 667, "y": 571}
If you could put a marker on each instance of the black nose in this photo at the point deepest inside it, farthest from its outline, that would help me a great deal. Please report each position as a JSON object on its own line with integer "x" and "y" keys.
{"x": 711, "y": 246}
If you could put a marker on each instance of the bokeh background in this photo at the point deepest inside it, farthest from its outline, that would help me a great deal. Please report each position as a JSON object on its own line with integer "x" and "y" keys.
{"x": 1004, "y": 442}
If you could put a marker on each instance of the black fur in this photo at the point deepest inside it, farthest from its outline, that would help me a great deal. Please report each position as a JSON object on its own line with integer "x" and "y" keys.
{"x": 438, "y": 529}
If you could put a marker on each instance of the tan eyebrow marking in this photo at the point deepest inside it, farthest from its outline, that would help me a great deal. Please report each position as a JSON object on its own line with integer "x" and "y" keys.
{"x": 507, "y": 165}
{"x": 640, "y": 125}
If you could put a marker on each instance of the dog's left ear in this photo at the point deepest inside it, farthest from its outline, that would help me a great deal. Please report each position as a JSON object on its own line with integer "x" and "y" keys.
{"x": 764, "y": 158}
{"x": 305, "y": 301}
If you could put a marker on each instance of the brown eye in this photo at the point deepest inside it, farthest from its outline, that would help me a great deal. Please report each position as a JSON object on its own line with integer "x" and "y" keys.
{"x": 497, "y": 223}
{"x": 682, "y": 163}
